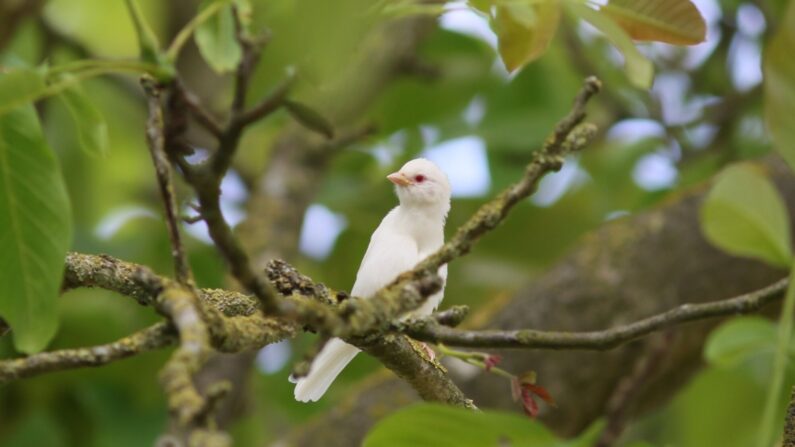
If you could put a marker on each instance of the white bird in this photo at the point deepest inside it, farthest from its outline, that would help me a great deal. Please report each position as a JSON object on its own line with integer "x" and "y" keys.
{"x": 408, "y": 234}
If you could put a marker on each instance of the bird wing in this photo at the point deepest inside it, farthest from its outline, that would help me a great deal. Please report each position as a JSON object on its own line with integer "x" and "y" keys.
{"x": 389, "y": 254}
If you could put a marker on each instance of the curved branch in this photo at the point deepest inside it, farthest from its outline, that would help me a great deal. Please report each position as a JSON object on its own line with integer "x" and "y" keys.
{"x": 431, "y": 331}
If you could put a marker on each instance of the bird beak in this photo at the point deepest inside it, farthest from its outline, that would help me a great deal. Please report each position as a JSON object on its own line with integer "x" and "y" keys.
{"x": 399, "y": 179}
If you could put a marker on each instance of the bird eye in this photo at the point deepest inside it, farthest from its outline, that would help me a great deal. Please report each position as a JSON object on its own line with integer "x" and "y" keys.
{"x": 419, "y": 178}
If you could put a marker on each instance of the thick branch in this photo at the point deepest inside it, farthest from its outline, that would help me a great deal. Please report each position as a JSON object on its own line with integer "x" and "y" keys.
{"x": 428, "y": 378}
{"x": 431, "y": 331}
{"x": 232, "y": 318}
{"x": 154, "y": 337}
{"x": 179, "y": 303}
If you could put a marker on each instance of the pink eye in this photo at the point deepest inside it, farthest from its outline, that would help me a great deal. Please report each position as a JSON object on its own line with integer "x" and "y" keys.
{"x": 419, "y": 178}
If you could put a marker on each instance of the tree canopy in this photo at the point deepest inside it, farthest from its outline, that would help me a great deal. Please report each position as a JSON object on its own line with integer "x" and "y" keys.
{"x": 187, "y": 189}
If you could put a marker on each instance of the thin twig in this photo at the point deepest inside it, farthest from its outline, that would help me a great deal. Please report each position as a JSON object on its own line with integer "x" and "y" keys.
{"x": 626, "y": 392}
{"x": 156, "y": 140}
{"x": 230, "y": 138}
{"x": 266, "y": 106}
{"x": 430, "y": 331}
{"x": 229, "y": 246}
{"x": 154, "y": 337}
{"x": 252, "y": 48}
{"x": 203, "y": 117}
{"x": 184, "y": 34}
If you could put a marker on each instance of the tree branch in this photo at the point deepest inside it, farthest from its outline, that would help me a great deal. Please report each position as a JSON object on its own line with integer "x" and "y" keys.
{"x": 624, "y": 397}
{"x": 194, "y": 106}
{"x": 180, "y": 305}
{"x": 567, "y": 138}
{"x": 156, "y": 143}
{"x": 154, "y": 337}
{"x": 233, "y": 319}
{"x": 266, "y": 106}
{"x": 252, "y": 48}
{"x": 430, "y": 331}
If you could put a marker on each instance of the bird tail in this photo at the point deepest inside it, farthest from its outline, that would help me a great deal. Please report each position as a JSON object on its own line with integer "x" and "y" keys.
{"x": 331, "y": 360}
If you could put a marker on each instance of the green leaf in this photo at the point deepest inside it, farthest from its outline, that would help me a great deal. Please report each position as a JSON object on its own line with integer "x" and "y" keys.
{"x": 739, "y": 339}
{"x": 779, "y": 86}
{"x": 444, "y": 426}
{"x": 524, "y": 31}
{"x": 588, "y": 437}
{"x": 671, "y": 21}
{"x": 744, "y": 215}
{"x": 20, "y": 86}
{"x": 217, "y": 39}
{"x": 309, "y": 118}
{"x": 483, "y": 6}
{"x": 35, "y": 230}
{"x": 640, "y": 70}
{"x": 92, "y": 131}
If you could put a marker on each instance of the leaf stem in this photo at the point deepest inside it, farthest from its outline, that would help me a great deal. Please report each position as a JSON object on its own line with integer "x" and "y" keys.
{"x": 779, "y": 365}
{"x": 57, "y": 87}
{"x": 108, "y": 65}
{"x": 184, "y": 34}
{"x": 473, "y": 358}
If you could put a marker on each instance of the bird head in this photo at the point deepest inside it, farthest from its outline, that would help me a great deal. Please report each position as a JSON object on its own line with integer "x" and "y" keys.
{"x": 421, "y": 184}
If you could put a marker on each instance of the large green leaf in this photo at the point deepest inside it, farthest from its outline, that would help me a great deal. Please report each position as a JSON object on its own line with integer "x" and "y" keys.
{"x": 739, "y": 339}
{"x": 217, "y": 40}
{"x": 92, "y": 131}
{"x": 640, "y": 70}
{"x": 19, "y": 86}
{"x": 671, "y": 21}
{"x": 35, "y": 230}
{"x": 524, "y": 31}
{"x": 779, "y": 84}
{"x": 744, "y": 215}
{"x": 443, "y": 426}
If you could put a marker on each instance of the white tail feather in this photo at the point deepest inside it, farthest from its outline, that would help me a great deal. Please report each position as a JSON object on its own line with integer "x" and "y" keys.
{"x": 331, "y": 360}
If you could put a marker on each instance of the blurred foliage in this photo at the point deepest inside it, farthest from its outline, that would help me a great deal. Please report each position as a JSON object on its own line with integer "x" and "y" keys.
{"x": 443, "y": 426}
{"x": 469, "y": 93}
